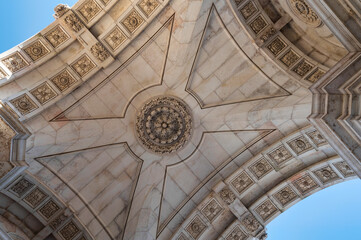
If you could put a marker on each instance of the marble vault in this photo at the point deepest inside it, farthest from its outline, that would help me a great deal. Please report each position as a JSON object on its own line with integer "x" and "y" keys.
{"x": 177, "y": 119}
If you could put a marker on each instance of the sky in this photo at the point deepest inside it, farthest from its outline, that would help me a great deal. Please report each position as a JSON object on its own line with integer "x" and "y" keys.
{"x": 331, "y": 214}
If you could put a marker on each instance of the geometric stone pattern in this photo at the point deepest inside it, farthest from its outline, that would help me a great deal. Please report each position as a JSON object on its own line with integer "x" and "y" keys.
{"x": 58, "y": 221}
{"x": 49, "y": 209}
{"x": 242, "y": 182}
{"x": 248, "y": 10}
{"x": 164, "y": 124}
{"x": 196, "y": 227}
{"x": 344, "y": 169}
{"x": 148, "y": 6}
{"x": 266, "y": 210}
{"x": 258, "y": 24}
{"x": 69, "y": 231}
{"x": 299, "y": 145}
{"x": 302, "y": 68}
{"x": 280, "y": 155}
{"x": 115, "y": 38}
{"x": 326, "y": 175}
{"x": 21, "y": 187}
{"x": 34, "y": 198}
{"x": 36, "y": 50}
{"x": 57, "y": 36}
{"x": 285, "y": 195}
{"x": 290, "y": 58}
{"x": 44, "y": 93}
{"x": 132, "y": 21}
{"x": 182, "y": 237}
{"x": 276, "y": 46}
{"x": 15, "y": 62}
{"x": 24, "y": 104}
{"x": 316, "y": 75}
{"x": 261, "y": 168}
{"x": 83, "y": 65}
{"x": 236, "y": 234}
{"x": 305, "y": 184}
{"x": 63, "y": 80}
{"x": 89, "y": 9}
{"x": 212, "y": 210}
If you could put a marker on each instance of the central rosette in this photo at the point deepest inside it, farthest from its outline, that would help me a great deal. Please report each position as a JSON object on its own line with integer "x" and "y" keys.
{"x": 164, "y": 124}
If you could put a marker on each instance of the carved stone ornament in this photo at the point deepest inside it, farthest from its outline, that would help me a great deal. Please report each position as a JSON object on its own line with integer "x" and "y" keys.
{"x": 15, "y": 62}
{"x": 250, "y": 223}
{"x": 196, "y": 227}
{"x": 133, "y": 21}
{"x": 227, "y": 195}
{"x": 280, "y": 155}
{"x": 305, "y": 184}
{"x": 73, "y": 22}
{"x": 212, "y": 210}
{"x": 236, "y": 234}
{"x": 285, "y": 195}
{"x": 345, "y": 169}
{"x": 6, "y": 135}
{"x": 60, "y": 10}
{"x": 164, "y": 124}
{"x": 242, "y": 182}
{"x": 326, "y": 175}
{"x": 148, "y": 6}
{"x": 266, "y": 210}
{"x": 304, "y": 12}
{"x": 100, "y": 52}
{"x": 69, "y": 231}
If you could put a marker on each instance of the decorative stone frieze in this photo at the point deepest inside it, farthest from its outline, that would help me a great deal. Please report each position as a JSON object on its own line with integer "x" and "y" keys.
{"x": 164, "y": 124}
{"x": 89, "y": 9}
{"x": 73, "y": 22}
{"x": 44, "y": 93}
{"x": 99, "y": 52}
{"x": 248, "y": 10}
{"x": 227, "y": 195}
{"x": 303, "y": 68}
{"x": 344, "y": 169}
{"x": 277, "y": 46}
{"x": 258, "y": 24}
{"x": 115, "y": 38}
{"x": 250, "y": 223}
{"x": 280, "y": 155}
{"x": 36, "y": 197}
{"x": 300, "y": 145}
{"x": 196, "y": 227}
{"x": 267, "y": 34}
{"x": 148, "y": 6}
{"x": 326, "y": 175}
{"x": 285, "y": 196}
{"x": 36, "y": 50}
{"x": 305, "y": 184}
{"x": 69, "y": 231}
{"x": 6, "y": 136}
{"x": 266, "y": 210}
{"x": 212, "y": 210}
{"x": 316, "y": 138}
{"x": 316, "y": 75}
{"x": 56, "y": 36}
{"x": 24, "y": 104}
{"x": 49, "y": 209}
{"x": 290, "y": 58}
{"x": 21, "y": 187}
{"x": 83, "y": 65}
{"x": 261, "y": 168}
{"x": 57, "y": 222}
{"x": 63, "y": 80}
{"x": 60, "y": 10}
{"x": 238, "y": 2}
{"x": 15, "y": 62}
{"x": 242, "y": 182}
{"x": 236, "y": 234}
{"x": 304, "y": 12}
{"x": 133, "y": 21}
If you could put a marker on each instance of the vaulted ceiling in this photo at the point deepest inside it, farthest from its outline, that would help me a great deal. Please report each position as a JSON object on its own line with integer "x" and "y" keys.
{"x": 176, "y": 119}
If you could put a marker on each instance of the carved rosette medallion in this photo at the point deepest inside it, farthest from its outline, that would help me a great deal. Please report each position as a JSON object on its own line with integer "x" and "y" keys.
{"x": 304, "y": 12}
{"x": 164, "y": 124}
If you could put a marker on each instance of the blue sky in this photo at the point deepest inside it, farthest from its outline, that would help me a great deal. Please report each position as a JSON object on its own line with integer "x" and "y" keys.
{"x": 332, "y": 214}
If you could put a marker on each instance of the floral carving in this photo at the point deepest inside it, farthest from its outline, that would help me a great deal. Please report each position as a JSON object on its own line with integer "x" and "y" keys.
{"x": 317, "y": 138}
{"x": 164, "y": 124}
{"x": 148, "y": 6}
{"x": 304, "y": 12}
{"x": 15, "y": 62}
{"x": 60, "y": 10}
{"x": 316, "y": 75}
{"x": 290, "y": 58}
{"x": 261, "y": 168}
{"x": 258, "y": 24}
{"x": 302, "y": 68}
{"x": 236, "y": 234}
{"x": 345, "y": 169}
{"x": 56, "y": 36}
{"x": 227, "y": 195}
{"x": 36, "y": 50}
{"x": 73, "y": 22}
{"x": 115, "y": 38}
{"x": 280, "y": 155}
{"x": 212, "y": 210}
{"x": 69, "y": 231}
{"x": 100, "y": 52}
{"x": 83, "y": 65}
{"x": 248, "y": 10}
{"x": 34, "y": 198}
{"x": 89, "y": 9}
{"x": 63, "y": 80}
{"x": 250, "y": 223}
{"x": 305, "y": 184}
{"x": 196, "y": 227}
{"x": 49, "y": 209}
{"x": 242, "y": 182}
{"x": 43, "y": 93}
{"x": 21, "y": 187}
{"x": 267, "y": 34}
{"x": 326, "y": 175}
{"x": 300, "y": 145}
{"x": 285, "y": 195}
{"x": 24, "y": 104}
{"x": 266, "y": 210}
{"x": 132, "y": 21}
